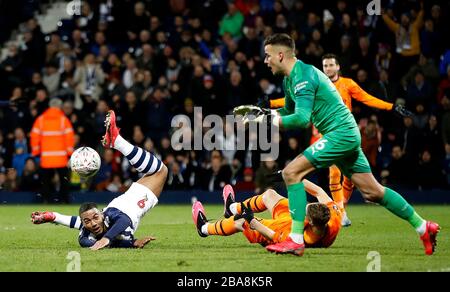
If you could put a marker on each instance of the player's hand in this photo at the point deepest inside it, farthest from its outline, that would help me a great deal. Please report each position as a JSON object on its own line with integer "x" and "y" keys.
{"x": 102, "y": 243}
{"x": 246, "y": 213}
{"x": 242, "y": 110}
{"x": 140, "y": 243}
{"x": 402, "y": 111}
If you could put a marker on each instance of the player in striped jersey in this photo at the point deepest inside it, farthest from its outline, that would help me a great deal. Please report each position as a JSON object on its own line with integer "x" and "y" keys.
{"x": 116, "y": 224}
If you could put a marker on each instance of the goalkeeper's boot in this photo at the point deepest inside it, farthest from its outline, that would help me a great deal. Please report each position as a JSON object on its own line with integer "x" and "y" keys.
{"x": 228, "y": 199}
{"x": 287, "y": 246}
{"x": 199, "y": 217}
{"x": 429, "y": 237}
{"x": 42, "y": 217}
{"x": 112, "y": 131}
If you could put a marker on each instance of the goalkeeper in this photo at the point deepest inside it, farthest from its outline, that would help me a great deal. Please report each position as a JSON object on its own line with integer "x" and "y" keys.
{"x": 311, "y": 98}
{"x": 348, "y": 90}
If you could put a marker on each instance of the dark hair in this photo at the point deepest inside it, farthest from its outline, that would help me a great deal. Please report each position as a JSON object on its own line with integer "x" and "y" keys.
{"x": 281, "y": 39}
{"x": 330, "y": 56}
{"x": 319, "y": 214}
{"x": 86, "y": 206}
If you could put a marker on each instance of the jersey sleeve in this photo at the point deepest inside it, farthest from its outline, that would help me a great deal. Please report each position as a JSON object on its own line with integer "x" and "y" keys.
{"x": 277, "y": 103}
{"x": 119, "y": 223}
{"x": 304, "y": 92}
{"x": 85, "y": 239}
{"x": 122, "y": 243}
{"x": 360, "y": 95}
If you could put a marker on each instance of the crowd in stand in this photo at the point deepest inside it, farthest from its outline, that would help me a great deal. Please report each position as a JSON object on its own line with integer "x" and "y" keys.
{"x": 152, "y": 60}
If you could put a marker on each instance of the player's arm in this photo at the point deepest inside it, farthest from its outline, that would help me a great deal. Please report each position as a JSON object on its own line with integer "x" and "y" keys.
{"x": 247, "y": 214}
{"x": 277, "y": 103}
{"x": 121, "y": 223}
{"x": 316, "y": 191}
{"x": 360, "y": 95}
{"x": 304, "y": 101}
{"x": 85, "y": 240}
{"x": 261, "y": 228}
{"x": 392, "y": 25}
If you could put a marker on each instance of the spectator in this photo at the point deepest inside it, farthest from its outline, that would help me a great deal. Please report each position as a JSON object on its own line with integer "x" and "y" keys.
{"x": 247, "y": 184}
{"x": 175, "y": 180}
{"x": 20, "y": 151}
{"x": 12, "y": 182}
{"x": 52, "y": 138}
{"x": 429, "y": 172}
{"x": 261, "y": 181}
{"x": 218, "y": 175}
{"x": 370, "y": 141}
{"x": 399, "y": 171}
{"x": 231, "y": 22}
{"x": 30, "y": 180}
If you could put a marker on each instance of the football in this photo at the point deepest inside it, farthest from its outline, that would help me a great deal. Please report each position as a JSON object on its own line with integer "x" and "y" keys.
{"x": 85, "y": 161}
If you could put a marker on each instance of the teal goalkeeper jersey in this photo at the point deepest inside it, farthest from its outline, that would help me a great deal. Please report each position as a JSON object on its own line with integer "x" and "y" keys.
{"x": 311, "y": 97}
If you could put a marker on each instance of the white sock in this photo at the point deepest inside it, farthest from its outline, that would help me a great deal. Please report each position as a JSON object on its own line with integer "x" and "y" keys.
{"x": 68, "y": 221}
{"x": 205, "y": 229}
{"x": 123, "y": 145}
{"x": 296, "y": 237}
{"x": 233, "y": 208}
{"x": 422, "y": 228}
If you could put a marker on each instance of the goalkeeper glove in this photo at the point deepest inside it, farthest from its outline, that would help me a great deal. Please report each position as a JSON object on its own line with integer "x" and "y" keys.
{"x": 256, "y": 114}
{"x": 402, "y": 111}
{"x": 246, "y": 213}
{"x": 244, "y": 109}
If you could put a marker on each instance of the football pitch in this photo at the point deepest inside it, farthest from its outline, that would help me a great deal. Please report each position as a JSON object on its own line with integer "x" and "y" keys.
{"x": 376, "y": 237}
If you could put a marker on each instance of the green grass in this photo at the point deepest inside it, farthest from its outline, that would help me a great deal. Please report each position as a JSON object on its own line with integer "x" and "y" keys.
{"x": 28, "y": 247}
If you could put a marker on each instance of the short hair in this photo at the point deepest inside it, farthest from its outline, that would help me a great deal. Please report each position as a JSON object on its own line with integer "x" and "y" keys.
{"x": 280, "y": 39}
{"x": 331, "y": 56}
{"x": 55, "y": 102}
{"x": 86, "y": 207}
{"x": 319, "y": 214}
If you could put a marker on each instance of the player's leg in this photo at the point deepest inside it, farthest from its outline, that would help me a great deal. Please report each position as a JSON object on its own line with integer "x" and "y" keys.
{"x": 336, "y": 187}
{"x": 57, "y": 218}
{"x": 145, "y": 162}
{"x": 257, "y": 203}
{"x": 347, "y": 186}
{"x": 373, "y": 191}
{"x": 293, "y": 175}
{"x": 222, "y": 227}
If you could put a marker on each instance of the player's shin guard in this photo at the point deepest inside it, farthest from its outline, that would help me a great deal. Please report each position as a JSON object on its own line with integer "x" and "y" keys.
{"x": 255, "y": 203}
{"x": 336, "y": 187}
{"x": 142, "y": 160}
{"x": 222, "y": 227}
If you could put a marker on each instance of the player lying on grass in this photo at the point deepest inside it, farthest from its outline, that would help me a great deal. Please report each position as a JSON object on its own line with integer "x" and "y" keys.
{"x": 322, "y": 224}
{"x": 116, "y": 224}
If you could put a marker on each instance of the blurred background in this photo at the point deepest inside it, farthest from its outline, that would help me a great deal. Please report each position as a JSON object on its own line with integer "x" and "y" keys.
{"x": 151, "y": 60}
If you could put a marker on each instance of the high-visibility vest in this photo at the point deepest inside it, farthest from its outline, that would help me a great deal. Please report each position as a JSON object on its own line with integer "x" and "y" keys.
{"x": 52, "y": 138}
